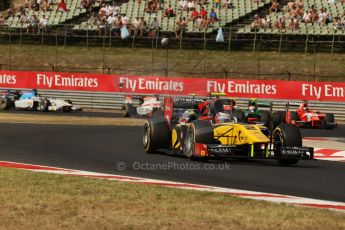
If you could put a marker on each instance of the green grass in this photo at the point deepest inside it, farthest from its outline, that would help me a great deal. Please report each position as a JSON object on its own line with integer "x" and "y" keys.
{"x": 44, "y": 201}
{"x": 185, "y": 63}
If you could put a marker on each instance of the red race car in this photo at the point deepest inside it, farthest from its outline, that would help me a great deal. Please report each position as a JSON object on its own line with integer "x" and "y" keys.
{"x": 305, "y": 117}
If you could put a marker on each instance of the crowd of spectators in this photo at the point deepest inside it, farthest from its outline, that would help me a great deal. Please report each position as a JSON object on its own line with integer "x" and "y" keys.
{"x": 110, "y": 20}
{"x": 295, "y": 14}
{"x": 36, "y": 22}
{"x": 152, "y": 6}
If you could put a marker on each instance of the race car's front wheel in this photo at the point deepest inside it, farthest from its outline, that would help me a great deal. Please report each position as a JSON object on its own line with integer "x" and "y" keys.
{"x": 278, "y": 117}
{"x": 156, "y": 135}
{"x": 286, "y": 135}
{"x": 265, "y": 118}
{"x": 198, "y": 132}
{"x": 127, "y": 110}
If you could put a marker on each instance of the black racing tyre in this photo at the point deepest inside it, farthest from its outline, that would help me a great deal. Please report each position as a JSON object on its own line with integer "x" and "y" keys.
{"x": 35, "y": 106}
{"x": 294, "y": 116}
{"x": 265, "y": 118}
{"x": 286, "y": 135}
{"x": 239, "y": 115}
{"x": 217, "y": 106}
{"x": 278, "y": 117}
{"x": 156, "y": 135}
{"x": 330, "y": 117}
{"x": 157, "y": 113}
{"x": 329, "y": 121}
{"x": 5, "y": 103}
{"x": 128, "y": 110}
{"x": 43, "y": 105}
{"x": 69, "y": 107}
{"x": 198, "y": 132}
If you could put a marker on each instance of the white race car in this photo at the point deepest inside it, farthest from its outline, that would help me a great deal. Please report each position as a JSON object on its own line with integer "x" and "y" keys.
{"x": 30, "y": 100}
{"x": 148, "y": 105}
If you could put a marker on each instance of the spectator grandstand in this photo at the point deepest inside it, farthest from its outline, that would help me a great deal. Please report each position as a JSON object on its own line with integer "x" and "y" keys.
{"x": 228, "y": 12}
{"x": 53, "y": 12}
{"x": 315, "y": 17}
{"x": 75, "y": 10}
{"x": 303, "y": 23}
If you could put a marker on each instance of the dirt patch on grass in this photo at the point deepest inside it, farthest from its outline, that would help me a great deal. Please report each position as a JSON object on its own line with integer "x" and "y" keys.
{"x": 70, "y": 120}
{"x": 44, "y": 201}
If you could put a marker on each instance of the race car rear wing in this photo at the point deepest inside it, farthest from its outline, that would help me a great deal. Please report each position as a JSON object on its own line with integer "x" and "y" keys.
{"x": 293, "y": 103}
{"x": 289, "y": 104}
{"x": 179, "y": 104}
{"x": 129, "y": 98}
{"x": 265, "y": 104}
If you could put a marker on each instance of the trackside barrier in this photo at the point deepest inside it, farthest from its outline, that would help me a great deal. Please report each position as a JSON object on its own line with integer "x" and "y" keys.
{"x": 98, "y": 100}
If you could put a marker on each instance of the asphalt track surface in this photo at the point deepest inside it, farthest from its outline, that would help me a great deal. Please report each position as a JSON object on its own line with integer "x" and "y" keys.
{"x": 104, "y": 148}
{"x": 59, "y": 113}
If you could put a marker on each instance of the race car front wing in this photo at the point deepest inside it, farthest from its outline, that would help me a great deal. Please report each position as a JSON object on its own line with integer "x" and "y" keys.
{"x": 254, "y": 151}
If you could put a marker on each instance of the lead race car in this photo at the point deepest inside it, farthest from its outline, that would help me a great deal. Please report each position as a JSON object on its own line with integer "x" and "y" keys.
{"x": 196, "y": 138}
{"x": 31, "y": 100}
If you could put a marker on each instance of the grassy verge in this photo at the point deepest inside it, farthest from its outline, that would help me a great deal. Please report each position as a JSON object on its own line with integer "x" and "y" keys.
{"x": 181, "y": 62}
{"x": 44, "y": 201}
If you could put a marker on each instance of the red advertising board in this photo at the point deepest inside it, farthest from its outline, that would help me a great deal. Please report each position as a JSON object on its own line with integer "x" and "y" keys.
{"x": 295, "y": 90}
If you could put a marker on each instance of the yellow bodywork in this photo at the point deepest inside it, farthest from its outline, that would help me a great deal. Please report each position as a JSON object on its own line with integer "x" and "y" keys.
{"x": 227, "y": 134}
{"x": 239, "y": 134}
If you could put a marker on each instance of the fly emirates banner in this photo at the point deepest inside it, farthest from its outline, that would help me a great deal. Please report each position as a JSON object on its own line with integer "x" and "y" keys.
{"x": 297, "y": 90}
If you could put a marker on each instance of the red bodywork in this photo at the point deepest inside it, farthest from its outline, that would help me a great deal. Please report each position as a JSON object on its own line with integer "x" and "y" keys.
{"x": 200, "y": 150}
{"x": 307, "y": 117}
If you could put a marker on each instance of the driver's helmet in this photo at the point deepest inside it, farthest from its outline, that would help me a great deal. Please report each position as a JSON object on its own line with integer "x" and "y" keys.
{"x": 224, "y": 117}
{"x": 306, "y": 107}
{"x": 141, "y": 100}
{"x": 234, "y": 104}
{"x": 251, "y": 108}
{"x": 203, "y": 108}
{"x": 189, "y": 115}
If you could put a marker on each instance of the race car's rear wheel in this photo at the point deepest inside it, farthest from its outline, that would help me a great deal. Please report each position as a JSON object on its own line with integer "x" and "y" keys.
{"x": 198, "y": 132}
{"x": 293, "y": 116}
{"x": 43, "y": 105}
{"x": 127, "y": 110}
{"x": 5, "y": 103}
{"x": 330, "y": 117}
{"x": 329, "y": 121}
{"x": 156, "y": 135}
{"x": 69, "y": 108}
{"x": 157, "y": 113}
{"x": 286, "y": 135}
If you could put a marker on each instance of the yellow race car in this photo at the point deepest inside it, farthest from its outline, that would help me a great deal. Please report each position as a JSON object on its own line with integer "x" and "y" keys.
{"x": 200, "y": 139}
